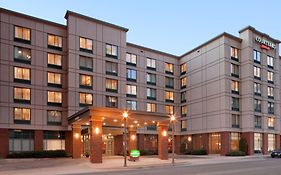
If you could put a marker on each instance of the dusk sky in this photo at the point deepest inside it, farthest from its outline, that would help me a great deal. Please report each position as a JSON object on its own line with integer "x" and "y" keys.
{"x": 170, "y": 26}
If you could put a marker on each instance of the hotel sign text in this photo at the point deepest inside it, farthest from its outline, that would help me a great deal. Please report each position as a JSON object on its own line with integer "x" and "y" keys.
{"x": 265, "y": 44}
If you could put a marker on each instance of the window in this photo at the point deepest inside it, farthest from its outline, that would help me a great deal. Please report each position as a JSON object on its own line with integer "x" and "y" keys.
{"x": 86, "y": 81}
{"x": 86, "y": 63}
{"x": 234, "y": 141}
{"x": 169, "y": 96}
{"x": 54, "y": 42}
{"x": 235, "y": 121}
{"x": 169, "y": 68}
{"x": 111, "y": 51}
{"x": 85, "y": 99}
{"x": 257, "y": 56}
{"x": 54, "y": 79}
{"x": 131, "y": 59}
{"x": 235, "y": 87}
{"x": 21, "y": 140}
{"x": 21, "y": 75}
{"x": 235, "y": 104}
{"x": 54, "y": 117}
{"x": 111, "y": 101}
{"x": 183, "y": 82}
{"x": 183, "y": 111}
{"x": 21, "y": 95}
{"x": 257, "y": 121}
{"x": 257, "y": 72}
{"x": 257, "y": 105}
{"x": 183, "y": 125}
{"x": 22, "y": 115}
{"x": 271, "y": 142}
{"x": 54, "y": 60}
{"x": 234, "y": 70}
{"x": 54, "y": 98}
{"x": 22, "y": 55}
{"x": 183, "y": 97}
{"x": 86, "y": 45}
{"x": 258, "y": 143}
{"x": 53, "y": 140}
{"x": 151, "y": 79}
{"x": 131, "y": 91}
{"x": 270, "y": 92}
{"x": 169, "y": 109}
{"x": 131, "y": 75}
{"x": 234, "y": 53}
{"x": 270, "y": 77}
{"x": 271, "y": 122}
{"x": 169, "y": 82}
{"x": 151, "y": 94}
{"x": 183, "y": 68}
{"x": 270, "y": 61}
{"x": 270, "y": 107}
{"x": 150, "y": 107}
{"x": 22, "y": 34}
{"x": 131, "y": 105}
{"x": 257, "y": 89}
{"x": 111, "y": 68}
{"x": 111, "y": 85}
{"x": 151, "y": 63}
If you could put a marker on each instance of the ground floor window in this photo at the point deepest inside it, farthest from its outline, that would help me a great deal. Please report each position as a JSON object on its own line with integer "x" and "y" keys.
{"x": 234, "y": 141}
{"x": 21, "y": 140}
{"x": 54, "y": 140}
{"x": 271, "y": 142}
{"x": 214, "y": 143}
{"x": 257, "y": 142}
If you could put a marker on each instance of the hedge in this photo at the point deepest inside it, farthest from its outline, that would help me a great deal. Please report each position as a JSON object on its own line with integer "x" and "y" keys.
{"x": 197, "y": 152}
{"x": 236, "y": 153}
{"x": 39, "y": 154}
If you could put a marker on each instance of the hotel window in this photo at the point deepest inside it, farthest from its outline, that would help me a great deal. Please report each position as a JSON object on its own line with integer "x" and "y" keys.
{"x": 54, "y": 79}
{"x": 235, "y": 104}
{"x": 270, "y": 62}
{"x": 54, "y": 42}
{"x": 150, "y": 107}
{"x": 235, "y": 121}
{"x": 183, "y": 111}
{"x": 169, "y": 109}
{"x": 257, "y": 73}
{"x": 183, "y": 68}
{"x": 21, "y": 75}
{"x": 234, "y": 70}
{"x": 151, "y": 79}
{"x": 21, "y": 140}
{"x": 257, "y": 89}
{"x": 53, "y": 140}
{"x": 85, "y": 99}
{"x": 22, "y": 34}
{"x": 21, "y": 95}
{"x": 22, "y": 55}
{"x": 169, "y": 82}
{"x": 22, "y": 115}
{"x": 270, "y": 92}
{"x": 54, "y": 60}
{"x": 257, "y": 105}
{"x": 183, "y": 97}
{"x": 270, "y": 77}
{"x": 235, "y": 87}
{"x": 54, "y": 117}
{"x": 131, "y": 105}
{"x": 86, "y": 81}
{"x": 257, "y": 56}
{"x": 183, "y": 125}
{"x": 111, "y": 68}
{"x": 271, "y": 142}
{"x": 151, "y": 94}
{"x": 131, "y": 90}
{"x": 183, "y": 82}
{"x": 131, "y": 59}
{"x": 111, "y": 101}
{"x": 234, "y": 141}
{"x": 151, "y": 63}
{"x": 86, "y": 45}
{"x": 111, "y": 51}
{"x": 54, "y": 98}
{"x": 234, "y": 53}
{"x": 86, "y": 63}
{"x": 169, "y": 96}
{"x": 111, "y": 85}
{"x": 270, "y": 108}
{"x": 131, "y": 75}
{"x": 257, "y": 121}
{"x": 169, "y": 68}
{"x": 271, "y": 122}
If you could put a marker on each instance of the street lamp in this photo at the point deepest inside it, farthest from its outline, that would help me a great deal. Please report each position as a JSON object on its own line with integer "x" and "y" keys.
{"x": 173, "y": 118}
{"x": 125, "y": 116}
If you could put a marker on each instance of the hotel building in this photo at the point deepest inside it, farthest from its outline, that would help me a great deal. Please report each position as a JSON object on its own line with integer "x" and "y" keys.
{"x": 54, "y": 76}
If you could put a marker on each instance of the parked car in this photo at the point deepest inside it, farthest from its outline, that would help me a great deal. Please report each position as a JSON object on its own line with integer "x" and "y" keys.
{"x": 276, "y": 153}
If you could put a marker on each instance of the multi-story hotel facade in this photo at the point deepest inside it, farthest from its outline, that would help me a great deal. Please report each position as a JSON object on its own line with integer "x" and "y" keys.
{"x": 223, "y": 90}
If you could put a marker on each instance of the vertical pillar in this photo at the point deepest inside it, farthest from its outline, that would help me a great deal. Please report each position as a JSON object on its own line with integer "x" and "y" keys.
{"x": 205, "y": 141}
{"x": 4, "y": 148}
{"x": 132, "y": 139}
{"x": 38, "y": 140}
{"x": 76, "y": 141}
{"x": 162, "y": 141}
{"x": 249, "y": 137}
{"x": 225, "y": 142}
{"x": 277, "y": 141}
{"x": 177, "y": 144}
{"x": 264, "y": 143}
{"x": 68, "y": 142}
{"x": 140, "y": 141}
{"x": 96, "y": 139}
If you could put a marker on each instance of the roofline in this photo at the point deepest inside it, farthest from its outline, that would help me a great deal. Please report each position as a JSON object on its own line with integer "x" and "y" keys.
{"x": 32, "y": 17}
{"x": 259, "y": 32}
{"x": 94, "y": 20}
{"x": 211, "y": 40}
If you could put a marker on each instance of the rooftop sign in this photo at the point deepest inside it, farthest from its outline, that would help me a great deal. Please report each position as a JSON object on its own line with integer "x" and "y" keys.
{"x": 265, "y": 44}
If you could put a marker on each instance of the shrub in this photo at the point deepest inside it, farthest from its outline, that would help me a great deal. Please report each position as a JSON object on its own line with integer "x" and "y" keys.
{"x": 243, "y": 146}
{"x": 148, "y": 152}
{"x": 39, "y": 154}
{"x": 236, "y": 153}
{"x": 196, "y": 152}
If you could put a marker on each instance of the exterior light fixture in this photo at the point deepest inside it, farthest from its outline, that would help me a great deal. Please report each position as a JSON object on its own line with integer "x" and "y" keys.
{"x": 135, "y": 121}
{"x": 153, "y": 121}
{"x": 189, "y": 138}
{"x": 76, "y": 135}
{"x": 173, "y": 118}
{"x": 125, "y": 114}
{"x": 133, "y": 137}
{"x": 115, "y": 120}
{"x": 164, "y": 133}
{"x": 104, "y": 124}
{"x": 97, "y": 130}
{"x": 145, "y": 123}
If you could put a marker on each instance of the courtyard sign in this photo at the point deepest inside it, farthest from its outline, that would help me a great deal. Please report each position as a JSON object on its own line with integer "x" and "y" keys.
{"x": 265, "y": 44}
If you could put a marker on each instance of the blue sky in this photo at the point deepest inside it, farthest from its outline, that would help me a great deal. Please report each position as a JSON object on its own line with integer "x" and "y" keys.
{"x": 171, "y": 26}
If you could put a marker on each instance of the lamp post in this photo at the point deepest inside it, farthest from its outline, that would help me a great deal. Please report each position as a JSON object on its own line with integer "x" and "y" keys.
{"x": 173, "y": 139}
{"x": 125, "y": 116}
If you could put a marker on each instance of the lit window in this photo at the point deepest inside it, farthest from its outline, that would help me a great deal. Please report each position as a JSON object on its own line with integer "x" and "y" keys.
{"x": 151, "y": 63}
{"x": 257, "y": 56}
{"x": 111, "y": 50}
{"x": 183, "y": 82}
{"x": 86, "y": 81}
{"x": 257, "y": 105}
{"x": 169, "y": 96}
{"x": 54, "y": 78}
{"x": 151, "y": 78}
{"x": 54, "y": 97}
{"x": 54, "y": 60}
{"x": 131, "y": 105}
{"x": 271, "y": 142}
{"x": 151, "y": 93}
{"x": 169, "y": 68}
{"x": 111, "y": 101}
{"x": 271, "y": 122}
{"x": 54, "y": 41}
{"x": 111, "y": 68}
{"x": 21, "y": 74}
{"x": 54, "y": 117}
{"x": 111, "y": 85}
{"x": 183, "y": 68}
{"x": 131, "y": 75}
{"x": 86, "y": 63}
{"x": 257, "y": 89}
{"x": 22, "y": 114}
{"x": 131, "y": 90}
{"x": 234, "y": 70}
{"x": 234, "y": 141}
{"x": 270, "y": 77}
{"x": 235, "y": 121}
{"x": 183, "y": 125}
{"x": 131, "y": 59}
{"x": 85, "y": 98}
{"x": 169, "y": 82}
{"x": 21, "y": 94}
{"x": 183, "y": 111}
{"x": 22, "y": 34}
{"x": 235, "y": 87}
{"x": 150, "y": 107}
{"x": 270, "y": 92}
{"x": 234, "y": 52}
{"x": 169, "y": 109}
{"x": 22, "y": 54}
{"x": 86, "y": 44}
{"x": 270, "y": 61}
{"x": 257, "y": 72}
